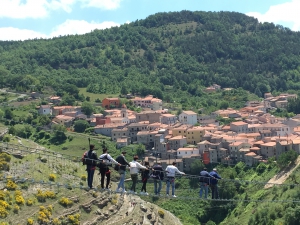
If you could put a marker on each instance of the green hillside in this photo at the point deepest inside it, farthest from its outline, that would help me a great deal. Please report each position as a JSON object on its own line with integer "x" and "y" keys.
{"x": 170, "y": 55}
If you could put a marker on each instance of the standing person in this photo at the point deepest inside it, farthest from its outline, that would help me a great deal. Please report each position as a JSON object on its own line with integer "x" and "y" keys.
{"x": 214, "y": 184}
{"x": 91, "y": 159}
{"x": 105, "y": 161}
{"x": 134, "y": 171}
{"x": 171, "y": 172}
{"x": 122, "y": 171}
{"x": 204, "y": 182}
{"x": 145, "y": 177}
{"x": 158, "y": 176}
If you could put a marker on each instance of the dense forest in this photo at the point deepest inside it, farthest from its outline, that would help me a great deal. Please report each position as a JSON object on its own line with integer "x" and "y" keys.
{"x": 170, "y": 55}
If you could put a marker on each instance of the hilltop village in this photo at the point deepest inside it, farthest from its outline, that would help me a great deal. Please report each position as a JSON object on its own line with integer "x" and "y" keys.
{"x": 253, "y": 136}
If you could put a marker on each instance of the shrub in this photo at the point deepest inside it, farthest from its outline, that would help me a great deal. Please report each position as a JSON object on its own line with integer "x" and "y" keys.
{"x": 65, "y": 202}
{"x": 30, "y": 221}
{"x": 83, "y": 177}
{"x": 42, "y": 196}
{"x": 44, "y": 215}
{"x": 16, "y": 209}
{"x": 3, "y": 212}
{"x": 29, "y": 202}
{"x": 74, "y": 220}
{"x": 52, "y": 177}
{"x": 56, "y": 221}
{"x": 10, "y": 185}
{"x": 4, "y": 204}
{"x": 161, "y": 213}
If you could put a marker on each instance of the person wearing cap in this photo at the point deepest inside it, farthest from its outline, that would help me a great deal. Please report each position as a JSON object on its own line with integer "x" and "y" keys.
{"x": 214, "y": 184}
{"x": 158, "y": 176}
{"x": 171, "y": 172}
{"x": 204, "y": 179}
{"x": 90, "y": 166}
{"x": 106, "y": 160}
{"x": 122, "y": 171}
{"x": 134, "y": 171}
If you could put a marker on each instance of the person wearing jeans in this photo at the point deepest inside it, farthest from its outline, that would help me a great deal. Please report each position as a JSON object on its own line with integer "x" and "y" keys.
{"x": 214, "y": 184}
{"x": 158, "y": 176}
{"x": 90, "y": 159}
{"x": 204, "y": 182}
{"x": 122, "y": 171}
{"x": 134, "y": 171}
{"x": 171, "y": 172}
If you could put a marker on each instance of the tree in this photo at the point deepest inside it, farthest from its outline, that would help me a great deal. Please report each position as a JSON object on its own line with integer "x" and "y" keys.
{"x": 8, "y": 114}
{"x": 81, "y": 125}
{"x": 286, "y": 158}
{"x": 196, "y": 166}
{"x": 87, "y": 108}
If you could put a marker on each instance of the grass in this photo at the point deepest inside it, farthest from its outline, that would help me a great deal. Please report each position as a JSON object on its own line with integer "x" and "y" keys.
{"x": 94, "y": 96}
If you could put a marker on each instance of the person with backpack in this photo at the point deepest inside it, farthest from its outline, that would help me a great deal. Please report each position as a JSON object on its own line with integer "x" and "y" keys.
{"x": 158, "y": 176}
{"x": 204, "y": 182}
{"x": 122, "y": 171}
{"x": 105, "y": 161}
{"x": 145, "y": 176}
{"x": 171, "y": 172}
{"x": 214, "y": 184}
{"x": 134, "y": 171}
{"x": 90, "y": 160}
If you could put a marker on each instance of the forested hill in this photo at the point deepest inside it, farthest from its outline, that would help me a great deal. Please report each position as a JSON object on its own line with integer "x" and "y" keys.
{"x": 167, "y": 54}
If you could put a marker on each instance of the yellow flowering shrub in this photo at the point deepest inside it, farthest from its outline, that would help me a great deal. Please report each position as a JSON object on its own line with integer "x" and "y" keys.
{"x": 30, "y": 221}
{"x": 52, "y": 177}
{"x": 2, "y": 195}
{"x": 19, "y": 198}
{"x": 10, "y": 185}
{"x": 3, "y": 212}
{"x": 74, "y": 219}
{"x": 30, "y": 202}
{"x": 65, "y": 201}
{"x": 83, "y": 177}
{"x": 161, "y": 213}
{"x": 4, "y": 204}
{"x": 56, "y": 221}
{"x": 45, "y": 214}
{"x": 42, "y": 196}
{"x": 4, "y": 223}
{"x": 16, "y": 209}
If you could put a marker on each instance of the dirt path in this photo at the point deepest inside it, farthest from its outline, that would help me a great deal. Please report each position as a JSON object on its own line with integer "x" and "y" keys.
{"x": 283, "y": 175}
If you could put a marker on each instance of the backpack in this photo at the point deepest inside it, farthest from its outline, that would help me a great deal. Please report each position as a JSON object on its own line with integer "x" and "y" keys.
{"x": 86, "y": 160}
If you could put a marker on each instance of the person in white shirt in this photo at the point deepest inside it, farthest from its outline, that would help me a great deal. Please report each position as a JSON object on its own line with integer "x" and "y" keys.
{"x": 106, "y": 160}
{"x": 171, "y": 172}
{"x": 134, "y": 171}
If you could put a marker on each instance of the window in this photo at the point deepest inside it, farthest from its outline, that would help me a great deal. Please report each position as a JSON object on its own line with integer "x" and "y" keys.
{"x": 185, "y": 152}
{"x": 179, "y": 132}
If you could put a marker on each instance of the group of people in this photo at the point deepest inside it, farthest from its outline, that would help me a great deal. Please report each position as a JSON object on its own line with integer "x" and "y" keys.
{"x": 156, "y": 173}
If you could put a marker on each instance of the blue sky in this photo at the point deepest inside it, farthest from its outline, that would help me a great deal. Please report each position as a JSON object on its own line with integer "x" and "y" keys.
{"x": 25, "y": 19}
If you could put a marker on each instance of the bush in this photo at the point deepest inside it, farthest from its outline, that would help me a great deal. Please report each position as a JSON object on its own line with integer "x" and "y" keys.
{"x": 161, "y": 213}
{"x": 74, "y": 220}
{"x": 3, "y": 212}
{"x": 83, "y": 177}
{"x": 65, "y": 202}
{"x": 29, "y": 202}
{"x": 16, "y": 209}
{"x": 10, "y": 185}
{"x": 56, "y": 221}
{"x": 30, "y": 221}
{"x": 52, "y": 177}
{"x": 19, "y": 198}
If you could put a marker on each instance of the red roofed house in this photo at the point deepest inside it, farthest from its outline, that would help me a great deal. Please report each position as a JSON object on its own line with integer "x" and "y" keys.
{"x": 239, "y": 127}
{"x": 107, "y": 103}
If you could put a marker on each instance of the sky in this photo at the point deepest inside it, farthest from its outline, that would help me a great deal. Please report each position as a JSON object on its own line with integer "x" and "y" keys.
{"x": 28, "y": 19}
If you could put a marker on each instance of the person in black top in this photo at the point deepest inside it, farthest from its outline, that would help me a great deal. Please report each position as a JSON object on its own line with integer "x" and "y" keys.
{"x": 158, "y": 176}
{"x": 122, "y": 171}
{"x": 91, "y": 159}
{"x": 145, "y": 176}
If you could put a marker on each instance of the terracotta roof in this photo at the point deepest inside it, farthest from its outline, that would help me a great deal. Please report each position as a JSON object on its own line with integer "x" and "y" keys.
{"x": 269, "y": 144}
{"x": 251, "y": 154}
{"x": 189, "y": 112}
{"x": 240, "y": 123}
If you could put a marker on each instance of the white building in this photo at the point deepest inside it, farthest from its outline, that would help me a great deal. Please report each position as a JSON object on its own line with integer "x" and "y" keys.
{"x": 188, "y": 117}
{"x": 45, "y": 110}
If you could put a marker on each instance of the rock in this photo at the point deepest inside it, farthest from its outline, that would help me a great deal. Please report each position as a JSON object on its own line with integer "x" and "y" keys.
{"x": 98, "y": 211}
{"x": 143, "y": 208}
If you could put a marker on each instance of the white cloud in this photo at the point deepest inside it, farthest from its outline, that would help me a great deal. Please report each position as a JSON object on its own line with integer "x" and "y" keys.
{"x": 80, "y": 27}
{"x": 16, "y": 34}
{"x": 20, "y": 9}
{"x": 102, "y": 4}
{"x": 68, "y": 27}
{"x": 285, "y": 12}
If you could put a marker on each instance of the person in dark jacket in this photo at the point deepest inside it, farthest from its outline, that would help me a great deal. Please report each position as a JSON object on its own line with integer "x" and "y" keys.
{"x": 214, "y": 184}
{"x": 145, "y": 177}
{"x": 122, "y": 171}
{"x": 158, "y": 176}
{"x": 91, "y": 165}
{"x": 204, "y": 182}
{"x": 106, "y": 160}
